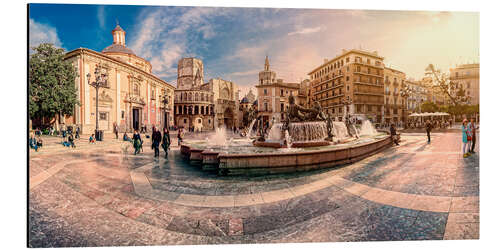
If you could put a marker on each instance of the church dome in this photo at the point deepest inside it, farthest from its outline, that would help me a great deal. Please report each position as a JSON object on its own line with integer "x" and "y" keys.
{"x": 118, "y": 45}
{"x": 244, "y": 100}
{"x": 119, "y": 48}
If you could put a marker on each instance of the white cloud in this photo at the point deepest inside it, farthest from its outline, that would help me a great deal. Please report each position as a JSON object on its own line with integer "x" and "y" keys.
{"x": 164, "y": 37}
{"x": 305, "y": 31}
{"x": 101, "y": 16}
{"x": 42, "y": 33}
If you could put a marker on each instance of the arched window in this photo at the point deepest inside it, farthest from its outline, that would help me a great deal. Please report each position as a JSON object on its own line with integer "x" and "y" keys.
{"x": 197, "y": 97}
{"x": 190, "y": 97}
{"x": 196, "y": 110}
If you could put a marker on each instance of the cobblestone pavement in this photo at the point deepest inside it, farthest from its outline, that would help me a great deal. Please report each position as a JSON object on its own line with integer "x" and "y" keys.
{"x": 101, "y": 196}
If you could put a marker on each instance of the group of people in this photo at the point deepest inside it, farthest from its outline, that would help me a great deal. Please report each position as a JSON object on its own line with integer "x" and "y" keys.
{"x": 468, "y": 137}
{"x": 35, "y": 141}
{"x": 156, "y": 138}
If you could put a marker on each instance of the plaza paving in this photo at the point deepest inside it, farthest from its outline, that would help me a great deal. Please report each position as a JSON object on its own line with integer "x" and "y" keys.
{"x": 99, "y": 196}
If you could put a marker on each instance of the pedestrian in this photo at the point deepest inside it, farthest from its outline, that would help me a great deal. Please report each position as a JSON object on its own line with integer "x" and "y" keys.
{"x": 473, "y": 132}
{"x": 394, "y": 135}
{"x": 71, "y": 140}
{"x": 92, "y": 139}
{"x": 465, "y": 141}
{"x": 63, "y": 130}
{"x": 156, "y": 139}
{"x": 179, "y": 137}
{"x": 115, "y": 129}
{"x": 77, "y": 132}
{"x": 428, "y": 128}
{"x": 166, "y": 142}
{"x": 32, "y": 142}
{"x": 137, "y": 141}
{"x": 126, "y": 138}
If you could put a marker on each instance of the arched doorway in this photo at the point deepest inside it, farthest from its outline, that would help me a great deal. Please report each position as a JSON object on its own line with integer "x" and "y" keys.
{"x": 228, "y": 118}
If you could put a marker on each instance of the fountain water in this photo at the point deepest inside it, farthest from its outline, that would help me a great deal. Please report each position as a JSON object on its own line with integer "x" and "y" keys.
{"x": 288, "y": 139}
{"x": 219, "y": 138}
{"x": 275, "y": 132}
{"x": 250, "y": 129}
{"x": 367, "y": 128}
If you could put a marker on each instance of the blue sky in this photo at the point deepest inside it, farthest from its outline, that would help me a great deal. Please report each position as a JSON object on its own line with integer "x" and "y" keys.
{"x": 233, "y": 42}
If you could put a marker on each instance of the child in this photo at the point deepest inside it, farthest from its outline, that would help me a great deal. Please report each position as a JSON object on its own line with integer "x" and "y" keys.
{"x": 92, "y": 139}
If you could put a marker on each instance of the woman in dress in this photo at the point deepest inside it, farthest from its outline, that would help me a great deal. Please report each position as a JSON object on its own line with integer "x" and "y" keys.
{"x": 465, "y": 134}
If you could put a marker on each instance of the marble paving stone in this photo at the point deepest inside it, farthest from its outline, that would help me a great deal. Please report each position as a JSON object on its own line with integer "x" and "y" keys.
{"x": 102, "y": 198}
{"x": 219, "y": 201}
{"x": 465, "y": 204}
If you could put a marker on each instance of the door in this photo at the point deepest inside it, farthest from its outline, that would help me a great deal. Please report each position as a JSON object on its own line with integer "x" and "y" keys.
{"x": 135, "y": 119}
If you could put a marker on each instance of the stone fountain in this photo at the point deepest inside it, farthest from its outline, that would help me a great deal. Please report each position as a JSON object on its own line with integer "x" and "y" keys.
{"x": 305, "y": 127}
{"x": 307, "y": 139}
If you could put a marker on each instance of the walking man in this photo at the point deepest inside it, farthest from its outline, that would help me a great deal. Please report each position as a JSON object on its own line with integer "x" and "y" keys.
{"x": 156, "y": 137}
{"x": 179, "y": 137}
{"x": 166, "y": 141}
{"x": 428, "y": 128}
{"x": 394, "y": 135}
{"x": 115, "y": 129}
{"x": 473, "y": 129}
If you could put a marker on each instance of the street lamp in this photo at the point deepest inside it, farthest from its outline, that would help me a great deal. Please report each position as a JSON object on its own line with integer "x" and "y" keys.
{"x": 405, "y": 93}
{"x": 101, "y": 80}
{"x": 165, "y": 100}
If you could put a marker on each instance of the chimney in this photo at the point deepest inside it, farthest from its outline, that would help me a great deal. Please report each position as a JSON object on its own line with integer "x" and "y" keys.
{"x": 325, "y": 60}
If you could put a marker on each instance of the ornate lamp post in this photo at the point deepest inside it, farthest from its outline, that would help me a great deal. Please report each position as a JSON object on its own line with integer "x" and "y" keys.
{"x": 101, "y": 80}
{"x": 165, "y": 100}
{"x": 405, "y": 93}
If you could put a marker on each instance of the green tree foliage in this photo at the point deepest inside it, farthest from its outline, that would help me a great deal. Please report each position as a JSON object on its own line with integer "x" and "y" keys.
{"x": 51, "y": 83}
{"x": 429, "y": 107}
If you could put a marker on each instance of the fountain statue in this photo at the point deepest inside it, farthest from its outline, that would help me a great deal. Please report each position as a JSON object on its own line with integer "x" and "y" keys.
{"x": 281, "y": 147}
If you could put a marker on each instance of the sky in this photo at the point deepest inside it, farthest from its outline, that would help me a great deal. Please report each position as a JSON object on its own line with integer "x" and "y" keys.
{"x": 233, "y": 42}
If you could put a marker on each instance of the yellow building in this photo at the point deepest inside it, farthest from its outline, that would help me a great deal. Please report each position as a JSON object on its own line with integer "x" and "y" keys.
{"x": 272, "y": 95}
{"x": 133, "y": 97}
{"x": 394, "y": 102}
{"x": 356, "y": 77}
{"x": 467, "y": 75}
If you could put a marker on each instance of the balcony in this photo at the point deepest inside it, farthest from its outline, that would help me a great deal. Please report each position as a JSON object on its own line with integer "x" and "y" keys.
{"x": 358, "y": 92}
{"x": 368, "y": 83}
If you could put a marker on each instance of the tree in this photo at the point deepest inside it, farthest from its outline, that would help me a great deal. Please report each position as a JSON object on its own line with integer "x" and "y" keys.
{"x": 429, "y": 107}
{"x": 452, "y": 89}
{"x": 51, "y": 83}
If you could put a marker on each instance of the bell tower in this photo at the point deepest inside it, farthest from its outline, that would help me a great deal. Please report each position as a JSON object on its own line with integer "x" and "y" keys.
{"x": 118, "y": 35}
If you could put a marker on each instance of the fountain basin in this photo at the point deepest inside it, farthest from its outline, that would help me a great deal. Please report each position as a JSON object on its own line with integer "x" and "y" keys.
{"x": 236, "y": 161}
{"x": 272, "y": 144}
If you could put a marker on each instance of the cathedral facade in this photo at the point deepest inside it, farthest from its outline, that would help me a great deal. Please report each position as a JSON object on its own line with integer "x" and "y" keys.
{"x": 194, "y": 101}
{"x": 133, "y": 96}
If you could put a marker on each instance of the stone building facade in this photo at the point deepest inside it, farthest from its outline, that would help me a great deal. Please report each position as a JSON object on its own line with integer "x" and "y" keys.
{"x": 417, "y": 95}
{"x": 226, "y": 96}
{"x": 133, "y": 97}
{"x": 394, "y": 103}
{"x": 467, "y": 75}
{"x": 354, "y": 77}
{"x": 272, "y": 95}
{"x": 194, "y": 101}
